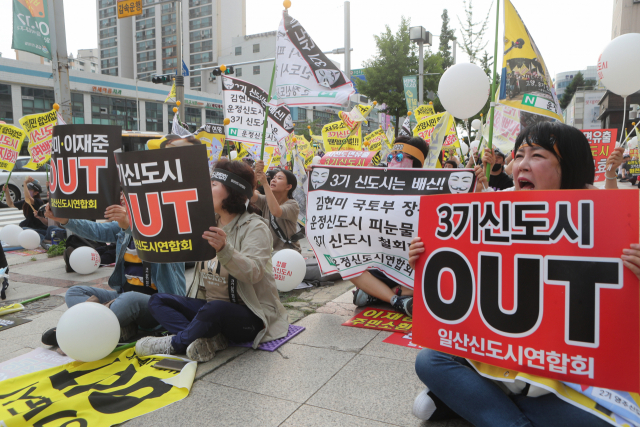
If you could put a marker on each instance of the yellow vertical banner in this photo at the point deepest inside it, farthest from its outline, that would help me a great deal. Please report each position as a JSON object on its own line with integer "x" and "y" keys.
{"x": 424, "y": 128}
{"x": 305, "y": 150}
{"x": 424, "y": 111}
{"x": 10, "y": 143}
{"x": 39, "y": 128}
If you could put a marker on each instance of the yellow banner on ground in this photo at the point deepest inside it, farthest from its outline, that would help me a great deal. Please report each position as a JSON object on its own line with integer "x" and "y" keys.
{"x": 525, "y": 83}
{"x": 424, "y": 111}
{"x": 424, "y": 128}
{"x": 375, "y": 140}
{"x": 39, "y": 128}
{"x": 10, "y": 143}
{"x": 172, "y": 93}
{"x": 253, "y": 150}
{"x": 107, "y": 392}
{"x": 336, "y": 135}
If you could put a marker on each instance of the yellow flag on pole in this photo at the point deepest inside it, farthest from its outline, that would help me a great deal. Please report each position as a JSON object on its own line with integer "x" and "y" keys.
{"x": 172, "y": 94}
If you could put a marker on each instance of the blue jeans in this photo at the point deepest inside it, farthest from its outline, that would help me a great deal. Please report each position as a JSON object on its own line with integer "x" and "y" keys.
{"x": 481, "y": 402}
{"x": 128, "y": 306}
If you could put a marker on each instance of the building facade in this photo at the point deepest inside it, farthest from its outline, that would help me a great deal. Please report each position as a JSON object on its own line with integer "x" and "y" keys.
{"x": 563, "y": 79}
{"x": 626, "y": 17}
{"x": 583, "y": 111}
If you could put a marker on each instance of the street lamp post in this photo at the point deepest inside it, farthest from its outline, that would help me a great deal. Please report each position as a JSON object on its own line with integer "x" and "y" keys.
{"x": 420, "y": 36}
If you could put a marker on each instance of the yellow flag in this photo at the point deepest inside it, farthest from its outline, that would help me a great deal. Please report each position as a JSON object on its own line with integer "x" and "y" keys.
{"x": 253, "y": 150}
{"x": 525, "y": 83}
{"x": 39, "y": 128}
{"x": 376, "y": 139}
{"x": 425, "y": 127}
{"x": 10, "y": 143}
{"x": 337, "y": 134}
{"x": 212, "y": 135}
{"x": 172, "y": 93}
{"x": 424, "y": 111}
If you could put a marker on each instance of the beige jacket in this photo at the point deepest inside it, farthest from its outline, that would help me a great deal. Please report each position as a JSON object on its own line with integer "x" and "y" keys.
{"x": 247, "y": 257}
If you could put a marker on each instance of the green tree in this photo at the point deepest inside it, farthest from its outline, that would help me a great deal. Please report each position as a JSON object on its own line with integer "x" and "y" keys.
{"x": 576, "y": 82}
{"x": 447, "y": 35}
{"x": 473, "y": 32}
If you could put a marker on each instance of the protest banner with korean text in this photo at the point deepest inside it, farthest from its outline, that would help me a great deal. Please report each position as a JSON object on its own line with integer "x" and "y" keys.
{"x": 212, "y": 135}
{"x": 602, "y": 142}
{"x": 337, "y": 136}
{"x": 365, "y": 218}
{"x": 11, "y": 139}
{"x": 425, "y": 128}
{"x": 84, "y": 176}
{"x": 168, "y": 195}
{"x": 423, "y": 111}
{"x": 634, "y": 167}
{"x": 348, "y": 158}
{"x": 39, "y": 128}
{"x": 532, "y": 282}
{"x": 375, "y": 140}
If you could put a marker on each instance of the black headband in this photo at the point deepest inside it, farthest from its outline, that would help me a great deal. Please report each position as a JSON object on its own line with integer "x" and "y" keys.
{"x": 233, "y": 181}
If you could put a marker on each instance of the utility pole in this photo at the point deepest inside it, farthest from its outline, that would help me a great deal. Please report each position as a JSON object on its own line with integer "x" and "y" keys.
{"x": 347, "y": 39}
{"x": 179, "y": 76}
{"x": 420, "y": 72}
{"x": 59, "y": 58}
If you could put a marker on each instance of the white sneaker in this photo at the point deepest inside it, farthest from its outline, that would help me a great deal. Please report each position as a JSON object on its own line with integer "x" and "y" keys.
{"x": 154, "y": 345}
{"x": 204, "y": 349}
{"x": 424, "y": 406}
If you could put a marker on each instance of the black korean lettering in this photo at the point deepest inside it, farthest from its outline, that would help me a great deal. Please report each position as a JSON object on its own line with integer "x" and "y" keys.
{"x": 445, "y": 214}
{"x": 490, "y": 218}
{"x": 528, "y": 290}
{"x": 76, "y": 422}
{"x": 122, "y": 399}
{"x": 532, "y": 227}
{"x": 586, "y": 224}
{"x": 463, "y": 210}
{"x": 563, "y": 224}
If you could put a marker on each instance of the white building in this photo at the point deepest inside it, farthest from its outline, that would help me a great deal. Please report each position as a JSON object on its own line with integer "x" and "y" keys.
{"x": 563, "y": 79}
{"x": 626, "y": 17}
{"x": 583, "y": 110}
{"x": 87, "y": 61}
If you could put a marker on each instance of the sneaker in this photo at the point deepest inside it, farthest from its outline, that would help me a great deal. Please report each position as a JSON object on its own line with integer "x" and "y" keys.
{"x": 49, "y": 337}
{"x": 428, "y": 406}
{"x": 362, "y": 299}
{"x": 66, "y": 255}
{"x": 204, "y": 349}
{"x": 403, "y": 304}
{"x": 45, "y": 246}
{"x": 151, "y": 345}
{"x": 128, "y": 332}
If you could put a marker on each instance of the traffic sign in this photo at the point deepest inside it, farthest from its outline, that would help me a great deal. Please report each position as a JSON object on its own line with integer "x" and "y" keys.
{"x": 128, "y": 8}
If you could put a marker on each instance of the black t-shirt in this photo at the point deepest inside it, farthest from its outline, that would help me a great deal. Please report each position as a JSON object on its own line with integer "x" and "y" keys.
{"x": 30, "y": 220}
{"x": 500, "y": 182}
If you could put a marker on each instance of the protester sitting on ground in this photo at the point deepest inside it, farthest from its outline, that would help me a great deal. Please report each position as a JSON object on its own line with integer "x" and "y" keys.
{"x": 373, "y": 285}
{"x": 30, "y": 206}
{"x": 549, "y": 156}
{"x": 279, "y": 207}
{"x": 130, "y": 293}
{"x": 242, "y": 302}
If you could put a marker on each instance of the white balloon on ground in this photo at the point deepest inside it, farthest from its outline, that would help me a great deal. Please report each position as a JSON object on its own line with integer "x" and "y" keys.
{"x": 10, "y": 233}
{"x": 29, "y": 239}
{"x": 464, "y": 148}
{"x": 316, "y": 160}
{"x": 619, "y": 65}
{"x": 476, "y": 124}
{"x": 84, "y": 260}
{"x": 88, "y": 331}
{"x": 289, "y": 269}
{"x": 463, "y": 90}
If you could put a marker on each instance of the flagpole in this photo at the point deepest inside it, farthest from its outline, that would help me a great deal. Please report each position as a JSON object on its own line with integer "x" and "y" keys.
{"x": 493, "y": 85}
{"x": 266, "y": 111}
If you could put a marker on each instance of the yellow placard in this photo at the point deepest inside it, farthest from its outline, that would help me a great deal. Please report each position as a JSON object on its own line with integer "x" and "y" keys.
{"x": 424, "y": 111}
{"x": 336, "y": 136}
{"x": 375, "y": 140}
{"x": 305, "y": 150}
{"x": 39, "y": 128}
{"x": 10, "y": 143}
{"x": 253, "y": 151}
{"x": 425, "y": 127}
{"x": 128, "y": 8}
{"x": 214, "y": 143}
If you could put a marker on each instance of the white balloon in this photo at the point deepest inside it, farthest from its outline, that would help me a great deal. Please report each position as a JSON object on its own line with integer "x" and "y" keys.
{"x": 289, "y": 269}
{"x": 84, "y": 260}
{"x": 316, "y": 160}
{"x": 619, "y": 64}
{"x": 463, "y": 90}
{"x": 633, "y": 143}
{"x": 29, "y": 239}
{"x": 233, "y": 155}
{"x": 88, "y": 331}
{"x": 474, "y": 146}
{"x": 9, "y": 234}
{"x": 465, "y": 148}
{"x": 476, "y": 124}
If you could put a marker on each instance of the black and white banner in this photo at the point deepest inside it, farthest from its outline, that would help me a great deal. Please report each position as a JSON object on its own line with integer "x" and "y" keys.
{"x": 244, "y": 105}
{"x": 365, "y": 218}
{"x": 304, "y": 75}
{"x": 169, "y": 201}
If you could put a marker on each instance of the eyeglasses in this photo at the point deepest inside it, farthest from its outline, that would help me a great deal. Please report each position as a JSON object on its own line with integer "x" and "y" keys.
{"x": 398, "y": 157}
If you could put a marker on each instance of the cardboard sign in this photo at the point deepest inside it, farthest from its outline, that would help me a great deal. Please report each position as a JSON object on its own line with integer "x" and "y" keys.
{"x": 381, "y": 319}
{"x": 634, "y": 168}
{"x": 348, "y": 158}
{"x": 365, "y": 218}
{"x": 84, "y": 176}
{"x": 169, "y": 202}
{"x": 602, "y": 142}
{"x": 401, "y": 339}
{"x": 532, "y": 281}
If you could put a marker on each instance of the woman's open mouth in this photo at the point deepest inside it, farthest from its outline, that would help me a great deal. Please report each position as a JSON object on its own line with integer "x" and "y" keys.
{"x": 525, "y": 184}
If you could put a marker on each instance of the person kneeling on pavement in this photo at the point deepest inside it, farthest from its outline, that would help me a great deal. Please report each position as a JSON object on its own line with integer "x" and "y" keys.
{"x": 240, "y": 299}
{"x": 129, "y": 294}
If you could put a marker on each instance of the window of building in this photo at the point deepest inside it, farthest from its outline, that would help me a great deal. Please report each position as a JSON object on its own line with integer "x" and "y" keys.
{"x": 324, "y": 117}
{"x": 200, "y": 58}
{"x": 106, "y": 3}
{"x": 238, "y": 50}
{"x": 146, "y": 56}
{"x": 214, "y": 116}
{"x": 168, "y": 8}
{"x": 146, "y": 34}
{"x": 201, "y": 46}
{"x": 77, "y": 108}
{"x": 109, "y": 22}
{"x": 106, "y": 13}
{"x": 196, "y": 83}
{"x": 238, "y": 72}
{"x": 109, "y": 53}
{"x": 169, "y": 41}
{"x": 200, "y": 35}
{"x": 256, "y": 69}
{"x": 196, "y": 24}
{"x": 146, "y": 13}
{"x": 110, "y": 72}
{"x": 169, "y": 52}
{"x": 154, "y": 116}
{"x": 147, "y": 23}
{"x": 108, "y": 63}
{"x": 105, "y": 43}
{"x": 194, "y": 3}
{"x": 200, "y": 11}
{"x": 193, "y": 118}
{"x": 145, "y": 67}
{"x": 169, "y": 30}
{"x": 106, "y": 110}
{"x": 170, "y": 63}
{"x": 146, "y": 45}
{"x": 302, "y": 113}
{"x": 256, "y": 48}
{"x": 6, "y": 107}
{"x": 109, "y": 32}
{"x": 168, "y": 19}
{"x": 36, "y": 101}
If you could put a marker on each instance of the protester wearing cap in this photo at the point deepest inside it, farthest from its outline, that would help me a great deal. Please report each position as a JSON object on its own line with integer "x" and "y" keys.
{"x": 238, "y": 299}
{"x": 498, "y": 179}
{"x": 30, "y": 206}
{"x": 373, "y": 285}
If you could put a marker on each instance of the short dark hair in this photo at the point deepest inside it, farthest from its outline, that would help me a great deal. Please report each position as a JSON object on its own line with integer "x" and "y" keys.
{"x": 452, "y": 163}
{"x": 573, "y": 151}
{"x": 172, "y": 137}
{"x": 421, "y": 145}
{"x": 235, "y": 202}
{"x": 291, "y": 180}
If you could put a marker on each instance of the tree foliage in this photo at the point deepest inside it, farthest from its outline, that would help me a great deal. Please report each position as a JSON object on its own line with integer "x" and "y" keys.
{"x": 576, "y": 82}
{"x": 473, "y": 32}
{"x": 447, "y": 35}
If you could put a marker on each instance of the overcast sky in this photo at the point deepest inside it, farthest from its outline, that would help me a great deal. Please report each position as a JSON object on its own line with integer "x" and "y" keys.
{"x": 569, "y": 34}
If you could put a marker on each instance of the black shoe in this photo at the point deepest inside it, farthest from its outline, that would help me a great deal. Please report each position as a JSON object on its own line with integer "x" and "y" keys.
{"x": 4, "y": 287}
{"x": 403, "y": 304}
{"x": 363, "y": 299}
{"x": 66, "y": 255}
{"x": 49, "y": 337}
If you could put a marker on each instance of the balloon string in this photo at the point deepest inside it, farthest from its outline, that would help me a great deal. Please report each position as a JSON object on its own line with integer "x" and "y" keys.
{"x": 624, "y": 117}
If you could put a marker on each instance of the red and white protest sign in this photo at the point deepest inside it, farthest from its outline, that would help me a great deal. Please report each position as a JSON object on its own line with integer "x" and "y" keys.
{"x": 602, "y": 142}
{"x": 532, "y": 281}
{"x": 348, "y": 158}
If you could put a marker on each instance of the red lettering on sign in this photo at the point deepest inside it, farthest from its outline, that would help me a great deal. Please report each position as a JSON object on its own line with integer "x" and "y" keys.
{"x": 155, "y": 214}
{"x": 92, "y": 164}
{"x": 72, "y": 185}
{"x": 180, "y": 200}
